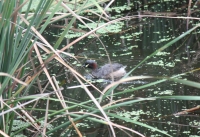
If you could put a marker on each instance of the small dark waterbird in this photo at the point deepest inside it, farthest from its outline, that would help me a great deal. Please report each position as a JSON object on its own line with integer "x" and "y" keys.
{"x": 107, "y": 71}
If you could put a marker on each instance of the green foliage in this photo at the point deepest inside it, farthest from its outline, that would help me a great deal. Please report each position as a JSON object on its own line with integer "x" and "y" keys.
{"x": 16, "y": 42}
{"x": 45, "y": 106}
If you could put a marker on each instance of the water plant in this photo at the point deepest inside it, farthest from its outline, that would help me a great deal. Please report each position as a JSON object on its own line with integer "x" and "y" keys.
{"x": 44, "y": 91}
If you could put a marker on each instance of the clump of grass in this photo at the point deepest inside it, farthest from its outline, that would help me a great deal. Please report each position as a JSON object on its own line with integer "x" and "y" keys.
{"x": 24, "y": 58}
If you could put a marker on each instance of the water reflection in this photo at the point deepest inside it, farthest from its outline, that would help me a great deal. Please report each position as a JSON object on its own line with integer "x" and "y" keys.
{"x": 129, "y": 47}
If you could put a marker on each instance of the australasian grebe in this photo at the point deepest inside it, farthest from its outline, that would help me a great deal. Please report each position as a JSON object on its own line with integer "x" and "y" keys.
{"x": 107, "y": 71}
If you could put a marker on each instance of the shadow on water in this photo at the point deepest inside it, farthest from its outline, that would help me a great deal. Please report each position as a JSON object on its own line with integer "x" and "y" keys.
{"x": 129, "y": 47}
